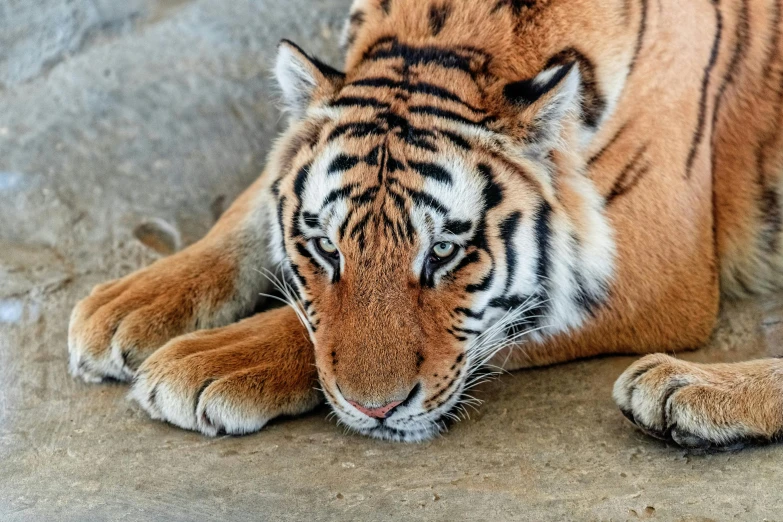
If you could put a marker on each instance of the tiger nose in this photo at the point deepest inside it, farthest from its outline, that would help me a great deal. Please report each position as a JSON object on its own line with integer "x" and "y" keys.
{"x": 376, "y": 413}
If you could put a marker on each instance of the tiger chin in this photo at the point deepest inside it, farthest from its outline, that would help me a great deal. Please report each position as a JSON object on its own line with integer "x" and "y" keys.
{"x": 489, "y": 183}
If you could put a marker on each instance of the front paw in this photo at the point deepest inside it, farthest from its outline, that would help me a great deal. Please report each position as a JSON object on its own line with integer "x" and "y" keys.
{"x": 228, "y": 380}
{"x": 701, "y": 406}
{"x": 122, "y": 322}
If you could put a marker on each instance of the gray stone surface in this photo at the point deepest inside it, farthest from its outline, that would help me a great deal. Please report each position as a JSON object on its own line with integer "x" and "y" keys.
{"x": 157, "y": 112}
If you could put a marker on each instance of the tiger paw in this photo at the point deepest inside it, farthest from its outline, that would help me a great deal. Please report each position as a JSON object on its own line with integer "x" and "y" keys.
{"x": 231, "y": 380}
{"x": 122, "y": 322}
{"x": 704, "y": 406}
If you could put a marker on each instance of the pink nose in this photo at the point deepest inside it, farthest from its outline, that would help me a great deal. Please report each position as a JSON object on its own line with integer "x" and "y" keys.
{"x": 376, "y": 413}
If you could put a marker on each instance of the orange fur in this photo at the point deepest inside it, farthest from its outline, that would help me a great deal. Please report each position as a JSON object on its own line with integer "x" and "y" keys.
{"x": 674, "y": 146}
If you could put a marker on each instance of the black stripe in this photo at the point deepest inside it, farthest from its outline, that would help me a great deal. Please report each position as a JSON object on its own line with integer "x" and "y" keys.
{"x": 299, "y": 185}
{"x": 376, "y": 81}
{"x": 447, "y": 387}
{"x": 449, "y": 115}
{"x": 300, "y": 180}
{"x": 468, "y": 260}
{"x": 280, "y": 222}
{"x": 437, "y": 17}
{"x": 359, "y": 226}
{"x": 408, "y": 231}
{"x": 310, "y": 219}
{"x": 303, "y": 250}
{"x": 483, "y": 284}
{"x": 526, "y": 92}
{"x": 392, "y": 164}
{"x": 381, "y": 163}
{"x": 454, "y": 392}
{"x": 774, "y": 46}
{"x": 507, "y": 230}
{"x": 394, "y": 121}
{"x": 366, "y": 197}
{"x": 608, "y": 145}
{"x": 339, "y": 194}
{"x": 618, "y": 191}
{"x": 356, "y": 18}
{"x": 493, "y": 193}
{"x": 768, "y": 200}
{"x": 385, "y": 6}
{"x": 508, "y": 302}
{"x": 389, "y": 226}
{"x": 398, "y": 200}
{"x": 341, "y": 163}
{"x": 359, "y": 101}
{"x": 344, "y": 224}
{"x": 584, "y": 298}
{"x": 414, "y": 88}
{"x": 466, "y": 330}
{"x": 355, "y": 129}
{"x": 457, "y": 226}
{"x": 350, "y": 40}
{"x": 417, "y": 140}
{"x": 467, "y": 312}
{"x": 440, "y": 92}
{"x": 297, "y": 274}
{"x": 516, "y": 6}
{"x": 543, "y": 236}
{"x": 698, "y": 135}
{"x": 275, "y": 188}
{"x": 639, "y": 37}
{"x": 621, "y": 184}
{"x": 422, "y": 198}
{"x": 445, "y": 58}
{"x": 772, "y": 216}
{"x": 742, "y": 36}
{"x": 432, "y": 171}
{"x": 452, "y": 58}
{"x": 372, "y": 156}
{"x": 455, "y": 138}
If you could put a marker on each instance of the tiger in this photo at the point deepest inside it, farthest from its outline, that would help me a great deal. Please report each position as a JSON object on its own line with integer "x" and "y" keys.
{"x": 487, "y": 185}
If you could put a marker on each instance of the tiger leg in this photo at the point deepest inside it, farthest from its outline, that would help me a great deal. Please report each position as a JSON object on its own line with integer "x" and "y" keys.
{"x": 748, "y": 165}
{"x": 211, "y": 283}
{"x": 232, "y": 379}
{"x": 703, "y": 405}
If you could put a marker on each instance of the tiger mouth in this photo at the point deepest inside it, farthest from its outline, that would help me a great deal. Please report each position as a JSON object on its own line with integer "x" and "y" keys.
{"x": 409, "y": 428}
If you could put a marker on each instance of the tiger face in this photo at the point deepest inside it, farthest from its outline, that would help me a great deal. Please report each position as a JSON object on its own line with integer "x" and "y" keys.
{"x": 425, "y": 227}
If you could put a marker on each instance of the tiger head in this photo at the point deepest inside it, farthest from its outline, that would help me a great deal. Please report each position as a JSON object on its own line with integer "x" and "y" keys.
{"x": 429, "y": 213}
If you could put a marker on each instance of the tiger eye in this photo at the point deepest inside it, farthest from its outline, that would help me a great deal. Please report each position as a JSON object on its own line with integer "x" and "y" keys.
{"x": 443, "y": 249}
{"x": 326, "y": 245}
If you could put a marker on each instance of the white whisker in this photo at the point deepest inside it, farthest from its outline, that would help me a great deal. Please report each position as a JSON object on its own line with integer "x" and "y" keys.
{"x": 289, "y": 298}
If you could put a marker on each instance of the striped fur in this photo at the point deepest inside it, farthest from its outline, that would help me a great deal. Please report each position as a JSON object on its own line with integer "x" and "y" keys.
{"x": 602, "y": 168}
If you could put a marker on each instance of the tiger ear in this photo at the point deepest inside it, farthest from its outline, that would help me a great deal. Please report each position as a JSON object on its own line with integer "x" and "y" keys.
{"x": 303, "y": 79}
{"x": 544, "y": 104}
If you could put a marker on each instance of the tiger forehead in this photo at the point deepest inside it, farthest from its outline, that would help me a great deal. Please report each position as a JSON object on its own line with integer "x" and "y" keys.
{"x": 380, "y": 186}
{"x": 410, "y": 93}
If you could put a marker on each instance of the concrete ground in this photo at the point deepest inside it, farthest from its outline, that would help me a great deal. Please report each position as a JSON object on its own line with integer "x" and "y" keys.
{"x": 125, "y": 127}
